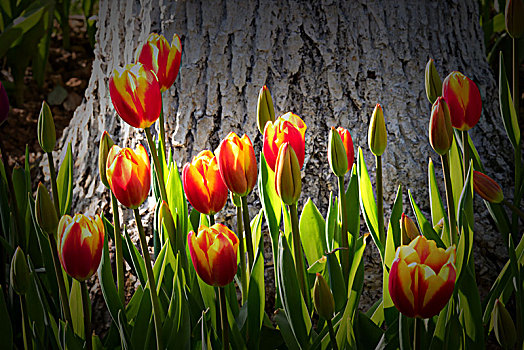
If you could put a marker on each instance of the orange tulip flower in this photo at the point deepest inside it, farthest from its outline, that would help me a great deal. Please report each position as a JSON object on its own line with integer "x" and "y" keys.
{"x": 203, "y": 184}
{"x": 237, "y": 164}
{"x": 422, "y": 278}
{"x": 214, "y": 254}
{"x": 80, "y": 243}
{"x": 157, "y": 55}
{"x": 129, "y": 175}
{"x": 287, "y": 128}
{"x": 463, "y": 98}
{"x": 135, "y": 94}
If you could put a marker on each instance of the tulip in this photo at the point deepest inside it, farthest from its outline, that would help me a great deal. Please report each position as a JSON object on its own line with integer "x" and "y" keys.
{"x": 4, "y": 104}
{"x": 503, "y": 326}
{"x": 347, "y": 141}
{"x": 288, "y": 182}
{"x": 337, "y": 157}
{"x": 408, "y": 229}
{"x": 135, "y": 93}
{"x": 19, "y": 274}
{"x": 45, "y": 211}
{"x": 161, "y": 58}
{"x": 237, "y": 164}
{"x": 105, "y": 145}
{"x": 323, "y": 298}
{"x": 422, "y": 278}
{"x": 433, "y": 82}
{"x": 203, "y": 184}
{"x": 487, "y": 188}
{"x": 129, "y": 175}
{"x": 513, "y": 17}
{"x": 80, "y": 243}
{"x": 46, "y": 129}
{"x": 463, "y": 98}
{"x": 377, "y": 135}
{"x": 214, "y": 254}
{"x": 287, "y": 128}
{"x": 440, "y": 129}
{"x": 265, "y": 109}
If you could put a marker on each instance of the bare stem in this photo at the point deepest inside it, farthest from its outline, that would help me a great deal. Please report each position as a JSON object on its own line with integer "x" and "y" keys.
{"x": 380, "y": 201}
{"x": 223, "y": 318}
{"x": 87, "y": 318}
{"x": 344, "y": 253}
{"x": 243, "y": 270}
{"x": 247, "y": 231}
{"x": 118, "y": 250}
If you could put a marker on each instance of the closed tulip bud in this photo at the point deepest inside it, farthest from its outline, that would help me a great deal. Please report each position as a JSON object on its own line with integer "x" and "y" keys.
{"x": 514, "y": 15}
{"x": 161, "y": 58}
{"x": 213, "y": 252}
{"x": 287, "y": 128}
{"x": 347, "y": 141}
{"x": 288, "y": 181}
{"x": 377, "y": 135}
{"x": 4, "y": 104}
{"x": 433, "y": 82}
{"x": 408, "y": 229}
{"x": 487, "y": 188}
{"x": 203, "y": 184}
{"x": 422, "y": 278}
{"x": 46, "y": 129}
{"x": 463, "y": 98}
{"x": 80, "y": 243}
{"x": 129, "y": 175}
{"x": 265, "y": 109}
{"x": 323, "y": 298}
{"x": 45, "y": 211}
{"x": 503, "y": 326}
{"x": 105, "y": 145}
{"x": 237, "y": 164}
{"x": 338, "y": 161}
{"x": 440, "y": 129}
{"x": 237, "y": 201}
{"x": 19, "y": 273}
{"x": 135, "y": 93}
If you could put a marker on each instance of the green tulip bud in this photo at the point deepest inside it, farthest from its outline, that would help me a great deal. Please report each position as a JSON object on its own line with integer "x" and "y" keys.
{"x": 265, "y": 109}
{"x": 45, "y": 211}
{"x": 235, "y": 198}
{"x": 288, "y": 180}
{"x": 19, "y": 272}
{"x": 337, "y": 157}
{"x": 377, "y": 135}
{"x": 323, "y": 298}
{"x": 503, "y": 326}
{"x": 105, "y": 145}
{"x": 46, "y": 129}
{"x": 514, "y": 18}
{"x": 433, "y": 82}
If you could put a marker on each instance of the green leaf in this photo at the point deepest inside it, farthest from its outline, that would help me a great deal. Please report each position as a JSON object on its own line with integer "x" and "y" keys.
{"x": 424, "y": 225}
{"x": 471, "y": 312}
{"x": 256, "y": 299}
{"x": 5, "y": 322}
{"x": 256, "y": 230}
{"x": 336, "y": 281}
{"x": 176, "y": 199}
{"x": 312, "y": 232}
{"x": 353, "y": 204}
{"x": 507, "y": 108}
{"x": 465, "y": 221}
{"x": 437, "y": 207}
{"x": 136, "y": 259}
{"x": 331, "y": 222}
{"x": 143, "y": 321}
{"x": 77, "y": 312}
{"x": 369, "y": 332}
{"x": 64, "y": 182}
{"x": 285, "y": 330}
{"x": 455, "y": 169}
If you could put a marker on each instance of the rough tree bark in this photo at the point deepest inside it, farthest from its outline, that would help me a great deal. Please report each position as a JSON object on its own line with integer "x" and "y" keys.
{"x": 328, "y": 61}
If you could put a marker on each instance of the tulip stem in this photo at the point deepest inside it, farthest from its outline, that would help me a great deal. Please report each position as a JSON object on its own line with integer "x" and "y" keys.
{"x": 118, "y": 250}
{"x": 417, "y": 328}
{"x": 380, "y": 201}
{"x": 211, "y": 219}
{"x": 344, "y": 253}
{"x": 515, "y": 89}
{"x": 243, "y": 271}
{"x": 514, "y": 208}
{"x": 449, "y": 199}
{"x": 25, "y": 323}
{"x": 60, "y": 279}
{"x": 151, "y": 279}
{"x": 14, "y": 205}
{"x": 247, "y": 231}
{"x": 156, "y": 162}
{"x": 465, "y": 151}
{"x": 332, "y": 336}
{"x": 54, "y": 187}
{"x": 297, "y": 249}
{"x": 87, "y": 318}
{"x": 223, "y": 318}
{"x": 162, "y": 130}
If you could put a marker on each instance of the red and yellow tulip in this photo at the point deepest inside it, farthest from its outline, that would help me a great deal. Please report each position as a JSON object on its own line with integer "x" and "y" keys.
{"x": 463, "y": 98}
{"x": 135, "y": 93}
{"x": 440, "y": 129}
{"x": 158, "y": 56}
{"x": 287, "y": 128}
{"x": 129, "y": 175}
{"x": 214, "y": 254}
{"x": 347, "y": 141}
{"x": 237, "y": 164}
{"x": 80, "y": 243}
{"x": 487, "y": 188}
{"x": 203, "y": 184}
{"x": 422, "y": 278}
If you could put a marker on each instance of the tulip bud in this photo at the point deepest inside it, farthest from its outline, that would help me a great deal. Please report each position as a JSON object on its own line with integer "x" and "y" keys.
{"x": 19, "y": 273}
{"x": 45, "y": 211}
{"x": 46, "y": 129}
{"x": 440, "y": 129}
{"x": 4, "y": 104}
{"x": 288, "y": 181}
{"x": 323, "y": 298}
{"x": 337, "y": 157}
{"x": 265, "y": 109}
{"x": 165, "y": 217}
{"x": 487, "y": 188}
{"x": 433, "y": 82}
{"x": 503, "y": 326}
{"x": 377, "y": 135}
{"x": 237, "y": 202}
{"x": 105, "y": 145}
{"x": 408, "y": 229}
{"x": 513, "y": 16}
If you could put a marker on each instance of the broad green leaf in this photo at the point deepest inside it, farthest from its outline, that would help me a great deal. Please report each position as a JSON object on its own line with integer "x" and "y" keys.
{"x": 143, "y": 321}
{"x": 331, "y": 222}
{"x": 256, "y": 230}
{"x": 134, "y": 304}
{"x": 353, "y": 204}
{"x": 471, "y": 312}
{"x": 336, "y": 281}
{"x": 77, "y": 312}
{"x": 122, "y": 329}
{"x": 456, "y": 174}
{"x": 176, "y": 199}
{"x": 424, "y": 225}
{"x": 64, "y": 182}
{"x": 507, "y": 108}
{"x": 136, "y": 259}
{"x": 256, "y": 301}
{"x": 312, "y": 232}
{"x": 465, "y": 223}
{"x": 285, "y": 330}
{"x": 437, "y": 207}
{"x": 369, "y": 332}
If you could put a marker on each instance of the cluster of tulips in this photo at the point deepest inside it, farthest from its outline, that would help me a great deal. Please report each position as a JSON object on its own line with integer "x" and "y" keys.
{"x": 187, "y": 296}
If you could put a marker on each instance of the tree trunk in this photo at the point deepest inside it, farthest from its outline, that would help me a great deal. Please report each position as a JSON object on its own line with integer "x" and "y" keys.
{"x": 328, "y": 61}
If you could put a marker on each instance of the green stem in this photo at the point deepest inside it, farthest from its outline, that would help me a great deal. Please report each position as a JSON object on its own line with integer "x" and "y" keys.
{"x": 54, "y": 187}
{"x": 297, "y": 249}
{"x": 60, "y": 279}
{"x": 87, "y": 318}
{"x": 14, "y": 204}
{"x": 118, "y": 250}
{"x": 449, "y": 199}
{"x": 151, "y": 280}
{"x": 156, "y": 162}
{"x": 465, "y": 155}
{"x": 211, "y": 219}
{"x": 515, "y": 210}
{"x": 332, "y": 336}
{"x": 517, "y": 153}
{"x": 247, "y": 231}
{"x": 25, "y": 323}
{"x": 243, "y": 271}
{"x": 380, "y": 201}
{"x": 515, "y": 91}
{"x": 417, "y": 328}
{"x": 161, "y": 124}
{"x": 223, "y": 318}
{"x": 344, "y": 253}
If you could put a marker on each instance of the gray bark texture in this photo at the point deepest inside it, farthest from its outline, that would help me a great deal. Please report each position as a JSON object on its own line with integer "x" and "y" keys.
{"x": 329, "y": 62}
